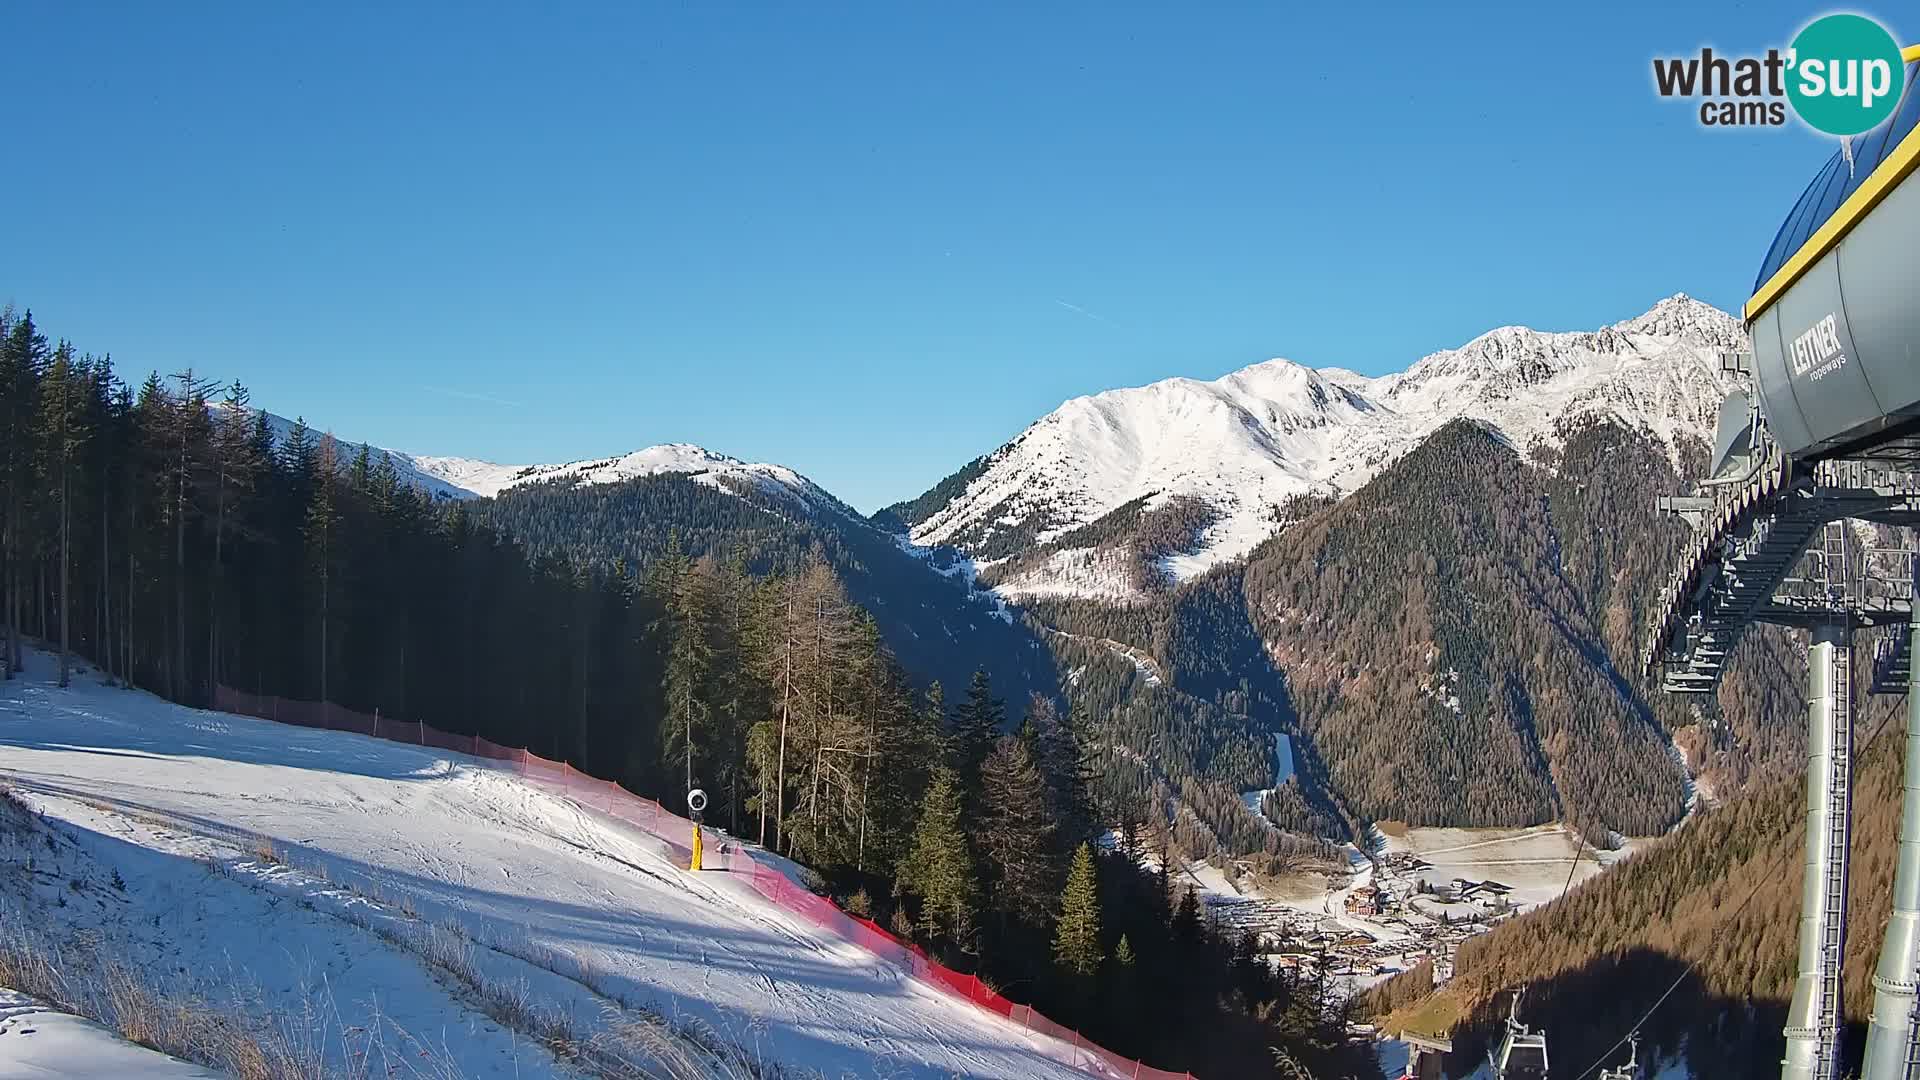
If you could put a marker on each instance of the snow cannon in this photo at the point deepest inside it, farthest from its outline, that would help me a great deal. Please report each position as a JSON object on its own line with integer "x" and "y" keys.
{"x": 1833, "y": 318}
{"x": 696, "y": 804}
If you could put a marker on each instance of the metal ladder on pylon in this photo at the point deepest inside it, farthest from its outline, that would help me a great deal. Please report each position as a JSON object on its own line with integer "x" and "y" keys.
{"x": 1898, "y": 664}
{"x": 1833, "y": 930}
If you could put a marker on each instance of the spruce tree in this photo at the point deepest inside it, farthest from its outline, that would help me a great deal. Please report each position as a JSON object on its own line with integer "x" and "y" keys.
{"x": 22, "y": 358}
{"x": 935, "y": 712}
{"x": 1186, "y": 919}
{"x": 322, "y": 543}
{"x": 688, "y": 622}
{"x": 1015, "y": 833}
{"x": 1250, "y": 971}
{"x": 235, "y": 437}
{"x": 187, "y": 434}
{"x": 939, "y": 867}
{"x": 976, "y": 724}
{"x": 1060, "y": 752}
{"x": 63, "y": 436}
{"x": 1076, "y": 940}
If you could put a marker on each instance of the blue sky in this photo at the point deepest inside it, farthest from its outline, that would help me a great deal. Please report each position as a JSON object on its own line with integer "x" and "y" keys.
{"x": 867, "y": 241}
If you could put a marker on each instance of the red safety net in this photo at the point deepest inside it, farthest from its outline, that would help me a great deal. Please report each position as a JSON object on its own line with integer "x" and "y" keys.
{"x": 729, "y": 855}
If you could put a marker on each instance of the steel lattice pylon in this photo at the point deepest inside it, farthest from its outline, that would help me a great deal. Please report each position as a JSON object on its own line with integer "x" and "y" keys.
{"x": 1775, "y": 542}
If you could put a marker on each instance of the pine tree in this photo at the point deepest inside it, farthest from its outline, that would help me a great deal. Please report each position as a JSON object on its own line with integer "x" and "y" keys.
{"x": 1076, "y": 940}
{"x": 1251, "y": 972}
{"x": 1059, "y": 751}
{"x": 21, "y": 359}
{"x": 690, "y": 610}
{"x": 322, "y": 527}
{"x": 107, "y": 421}
{"x": 63, "y": 436}
{"x": 939, "y": 868}
{"x": 234, "y": 471}
{"x": 1186, "y": 919}
{"x": 739, "y": 695}
{"x": 935, "y": 710}
{"x": 976, "y": 724}
{"x": 146, "y": 470}
{"x": 1123, "y": 953}
{"x": 186, "y": 436}
{"x": 1015, "y": 833}
{"x": 826, "y": 814}
{"x": 783, "y": 642}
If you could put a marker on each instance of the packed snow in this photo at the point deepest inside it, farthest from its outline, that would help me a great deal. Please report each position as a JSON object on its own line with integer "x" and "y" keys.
{"x": 41, "y": 1043}
{"x": 166, "y": 814}
{"x": 1246, "y": 442}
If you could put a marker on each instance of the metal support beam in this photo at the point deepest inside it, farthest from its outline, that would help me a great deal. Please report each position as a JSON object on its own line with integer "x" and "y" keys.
{"x": 1893, "y": 1035}
{"x": 1813, "y": 1020}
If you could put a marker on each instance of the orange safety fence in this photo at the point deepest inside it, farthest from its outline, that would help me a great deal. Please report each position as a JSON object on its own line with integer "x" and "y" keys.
{"x": 649, "y": 816}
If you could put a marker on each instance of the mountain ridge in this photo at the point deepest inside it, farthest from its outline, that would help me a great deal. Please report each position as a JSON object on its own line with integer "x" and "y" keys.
{"x": 453, "y": 477}
{"x": 1237, "y": 449}
{"x": 1247, "y": 442}
{"x": 1212, "y": 471}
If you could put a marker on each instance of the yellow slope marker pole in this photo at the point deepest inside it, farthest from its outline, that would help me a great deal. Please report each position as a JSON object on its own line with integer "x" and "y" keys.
{"x": 696, "y": 802}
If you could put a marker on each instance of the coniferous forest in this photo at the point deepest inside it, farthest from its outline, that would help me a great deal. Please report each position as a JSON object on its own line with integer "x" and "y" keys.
{"x": 165, "y": 535}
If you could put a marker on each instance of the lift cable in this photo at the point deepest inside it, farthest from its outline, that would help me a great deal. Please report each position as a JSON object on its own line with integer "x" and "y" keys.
{"x": 1579, "y": 845}
{"x": 1694, "y": 964}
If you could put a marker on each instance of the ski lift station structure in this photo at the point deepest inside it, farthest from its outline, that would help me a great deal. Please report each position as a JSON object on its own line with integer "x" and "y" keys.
{"x": 1823, "y": 429}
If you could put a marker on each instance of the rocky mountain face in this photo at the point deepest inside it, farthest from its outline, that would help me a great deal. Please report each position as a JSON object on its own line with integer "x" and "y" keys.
{"x": 1235, "y": 456}
{"x": 1445, "y": 573}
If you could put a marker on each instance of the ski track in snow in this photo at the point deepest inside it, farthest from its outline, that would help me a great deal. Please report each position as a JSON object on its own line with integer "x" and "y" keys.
{"x": 508, "y": 862}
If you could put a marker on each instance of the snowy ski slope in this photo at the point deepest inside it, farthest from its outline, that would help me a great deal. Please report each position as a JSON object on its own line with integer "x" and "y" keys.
{"x": 152, "y": 789}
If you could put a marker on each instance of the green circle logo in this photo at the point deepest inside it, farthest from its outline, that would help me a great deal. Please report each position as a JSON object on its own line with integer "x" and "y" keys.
{"x": 1846, "y": 74}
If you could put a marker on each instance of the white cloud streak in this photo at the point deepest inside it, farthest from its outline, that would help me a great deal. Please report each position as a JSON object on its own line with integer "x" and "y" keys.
{"x": 468, "y": 395}
{"x": 1095, "y": 316}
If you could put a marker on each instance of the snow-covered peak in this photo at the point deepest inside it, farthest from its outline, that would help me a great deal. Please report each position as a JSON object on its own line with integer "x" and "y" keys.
{"x": 1247, "y": 441}
{"x": 705, "y": 466}
{"x": 467, "y": 478}
{"x": 1682, "y": 317}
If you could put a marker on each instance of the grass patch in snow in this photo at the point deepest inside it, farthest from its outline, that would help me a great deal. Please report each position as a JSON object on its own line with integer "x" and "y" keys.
{"x": 631, "y": 1044}
{"x": 225, "y": 1026}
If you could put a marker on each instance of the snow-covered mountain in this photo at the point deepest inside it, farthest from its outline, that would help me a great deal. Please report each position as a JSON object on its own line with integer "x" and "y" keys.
{"x": 1245, "y": 443}
{"x": 483, "y": 478}
{"x": 469, "y": 478}
{"x": 926, "y": 604}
